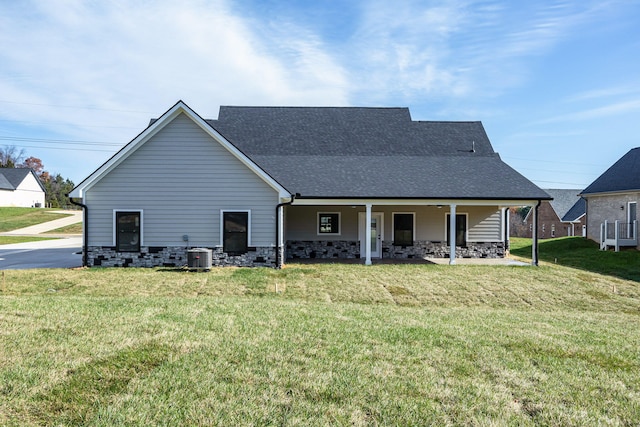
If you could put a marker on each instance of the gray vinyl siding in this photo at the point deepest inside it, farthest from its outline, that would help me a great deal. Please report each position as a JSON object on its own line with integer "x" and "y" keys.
{"x": 181, "y": 178}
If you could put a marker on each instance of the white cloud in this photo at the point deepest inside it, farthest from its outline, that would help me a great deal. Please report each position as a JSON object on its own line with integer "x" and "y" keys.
{"x": 609, "y": 110}
{"x": 123, "y": 62}
{"x": 139, "y": 56}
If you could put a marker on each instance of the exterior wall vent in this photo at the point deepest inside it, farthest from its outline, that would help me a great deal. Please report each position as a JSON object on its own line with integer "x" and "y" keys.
{"x": 199, "y": 258}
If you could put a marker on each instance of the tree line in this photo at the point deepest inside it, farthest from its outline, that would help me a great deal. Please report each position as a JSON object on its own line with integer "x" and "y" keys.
{"x": 55, "y": 185}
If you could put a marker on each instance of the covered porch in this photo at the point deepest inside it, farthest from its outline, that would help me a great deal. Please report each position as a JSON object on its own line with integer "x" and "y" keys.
{"x": 404, "y": 230}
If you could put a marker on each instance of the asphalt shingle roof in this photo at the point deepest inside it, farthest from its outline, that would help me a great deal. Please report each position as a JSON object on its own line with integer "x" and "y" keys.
{"x": 371, "y": 153}
{"x": 13, "y": 177}
{"x": 578, "y": 209}
{"x": 563, "y": 200}
{"x": 623, "y": 175}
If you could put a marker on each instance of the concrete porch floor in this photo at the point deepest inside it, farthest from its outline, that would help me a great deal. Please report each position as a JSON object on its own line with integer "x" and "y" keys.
{"x": 440, "y": 261}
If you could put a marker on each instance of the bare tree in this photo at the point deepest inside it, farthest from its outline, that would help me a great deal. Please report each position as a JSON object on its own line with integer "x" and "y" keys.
{"x": 11, "y": 156}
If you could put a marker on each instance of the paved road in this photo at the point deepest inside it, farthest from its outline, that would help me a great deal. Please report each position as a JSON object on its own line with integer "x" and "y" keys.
{"x": 59, "y": 253}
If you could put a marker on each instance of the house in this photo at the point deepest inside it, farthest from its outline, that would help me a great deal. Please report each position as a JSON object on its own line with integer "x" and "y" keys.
{"x": 259, "y": 185}
{"x": 612, "y": 203}
{"x": 20, "y": 187}
{"x": 565, "y": 215}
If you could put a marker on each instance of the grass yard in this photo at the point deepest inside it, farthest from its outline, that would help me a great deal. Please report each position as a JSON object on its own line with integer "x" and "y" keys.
{"x": 584, "y": 254}
{"x": 15, "y": 218}
{"x": 69, "y": 229}
{"x": 7, "y": 240}
{"x": 320, "y": 345}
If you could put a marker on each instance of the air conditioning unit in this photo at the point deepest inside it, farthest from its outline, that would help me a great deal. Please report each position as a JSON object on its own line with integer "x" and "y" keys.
{"x": 199, "y": 258}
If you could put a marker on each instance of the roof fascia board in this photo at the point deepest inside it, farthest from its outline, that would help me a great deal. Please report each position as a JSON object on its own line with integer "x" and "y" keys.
{"x": 412, "y": 202}
{"x": 608, "y": 193}
{"x": 179, "y": 108}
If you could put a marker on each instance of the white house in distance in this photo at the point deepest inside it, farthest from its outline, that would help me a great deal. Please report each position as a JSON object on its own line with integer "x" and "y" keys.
{"x": 20, "y": 187}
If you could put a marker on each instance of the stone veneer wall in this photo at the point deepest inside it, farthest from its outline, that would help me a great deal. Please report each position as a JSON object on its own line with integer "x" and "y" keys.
{"x": 427, "y": 249}
{"x": 322, "y": 249}
{"x": 176, "y": 256}
{"x": 420, "y": 249}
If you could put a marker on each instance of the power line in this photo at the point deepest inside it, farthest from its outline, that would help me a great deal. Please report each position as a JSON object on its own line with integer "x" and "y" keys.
{"x": 65, "y": 124}
{"x": 555, "y": 171}
{"x": 562, "y": 183}
{"x": 69, "y": 148}
{"x": 75, "y": 107}
{"x": 552, "y": 161}
{"x": 59, "y": 141}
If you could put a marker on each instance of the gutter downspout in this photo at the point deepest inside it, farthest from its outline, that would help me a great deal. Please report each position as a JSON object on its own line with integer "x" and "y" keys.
{"x": 279, "y": 261}
{"x": 534, "y": 242}
{"x": 85, "y": 228}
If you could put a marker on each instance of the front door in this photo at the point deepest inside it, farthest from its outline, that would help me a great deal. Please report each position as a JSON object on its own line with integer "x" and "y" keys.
{"x": 376, "y": 234}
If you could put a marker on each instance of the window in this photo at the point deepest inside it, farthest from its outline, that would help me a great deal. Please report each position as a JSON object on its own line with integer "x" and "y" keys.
{"x": 403, "y": 229}
{"x": 128, "y": 230}
{"x": 329, "y": 223}
{"x": 235, "y": 233}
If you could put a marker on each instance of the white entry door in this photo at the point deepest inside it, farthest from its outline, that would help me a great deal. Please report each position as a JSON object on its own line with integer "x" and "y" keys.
{"x": 376, "y": 233}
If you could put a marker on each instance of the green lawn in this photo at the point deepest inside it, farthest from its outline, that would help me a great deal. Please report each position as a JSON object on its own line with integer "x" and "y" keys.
{"x": 7, "y": 240}
{"x": 320, "y": 345}
{"x": 15, "y": 218}
{"x": 584, "y": 254}
{"x": 69, "y": 229}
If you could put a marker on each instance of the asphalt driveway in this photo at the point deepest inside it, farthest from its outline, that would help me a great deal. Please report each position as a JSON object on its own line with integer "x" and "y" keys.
{"x": 58, "y": 253}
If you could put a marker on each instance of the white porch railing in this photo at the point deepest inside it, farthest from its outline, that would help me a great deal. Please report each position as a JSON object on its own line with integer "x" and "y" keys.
{"x": 617, "y": 234}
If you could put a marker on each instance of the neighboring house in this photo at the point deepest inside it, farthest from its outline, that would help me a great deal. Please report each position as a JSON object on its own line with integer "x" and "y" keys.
{"x": 20, "y": 187}
{"x": 261, "y": 184}
{"x": 565, "y": 215}
{"x": 612, "y": 203}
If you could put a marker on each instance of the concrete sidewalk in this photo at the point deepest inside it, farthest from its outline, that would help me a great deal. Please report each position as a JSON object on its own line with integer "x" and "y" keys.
{"x": 73, "y": 217}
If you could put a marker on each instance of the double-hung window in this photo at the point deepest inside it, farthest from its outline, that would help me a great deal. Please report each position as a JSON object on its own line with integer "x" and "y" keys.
{"x": 403, "y": 229}
{"x": 235, "y": 232}
{"x": 128, "y": 230}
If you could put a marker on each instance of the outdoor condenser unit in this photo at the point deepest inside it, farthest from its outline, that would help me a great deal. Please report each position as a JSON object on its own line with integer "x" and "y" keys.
{"x": 199, "y": 258}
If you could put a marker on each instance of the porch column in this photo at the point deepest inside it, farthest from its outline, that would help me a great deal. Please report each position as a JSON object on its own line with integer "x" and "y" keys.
{"x": 534, "y": 235}
{"x": 452, "y": 234}
{"x": 507, "y": 229}
{"x": 280, "y": 245}
{"x": 367, "y": 235}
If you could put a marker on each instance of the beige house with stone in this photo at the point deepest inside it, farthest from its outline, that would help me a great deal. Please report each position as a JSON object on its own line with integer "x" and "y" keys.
{"x": 612, "y": 204}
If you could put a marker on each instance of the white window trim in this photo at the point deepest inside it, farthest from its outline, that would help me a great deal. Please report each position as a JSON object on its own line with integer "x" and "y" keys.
{"x": 339, "y": 223}
{"x": 115, "y": 225}
{"x": 222, "y": 212}
{"x": 629, "y": 220}
{"x": 393, "y": 222}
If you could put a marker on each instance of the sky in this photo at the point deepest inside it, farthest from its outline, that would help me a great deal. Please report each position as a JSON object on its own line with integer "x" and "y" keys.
{"x": 556, "y": 84}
